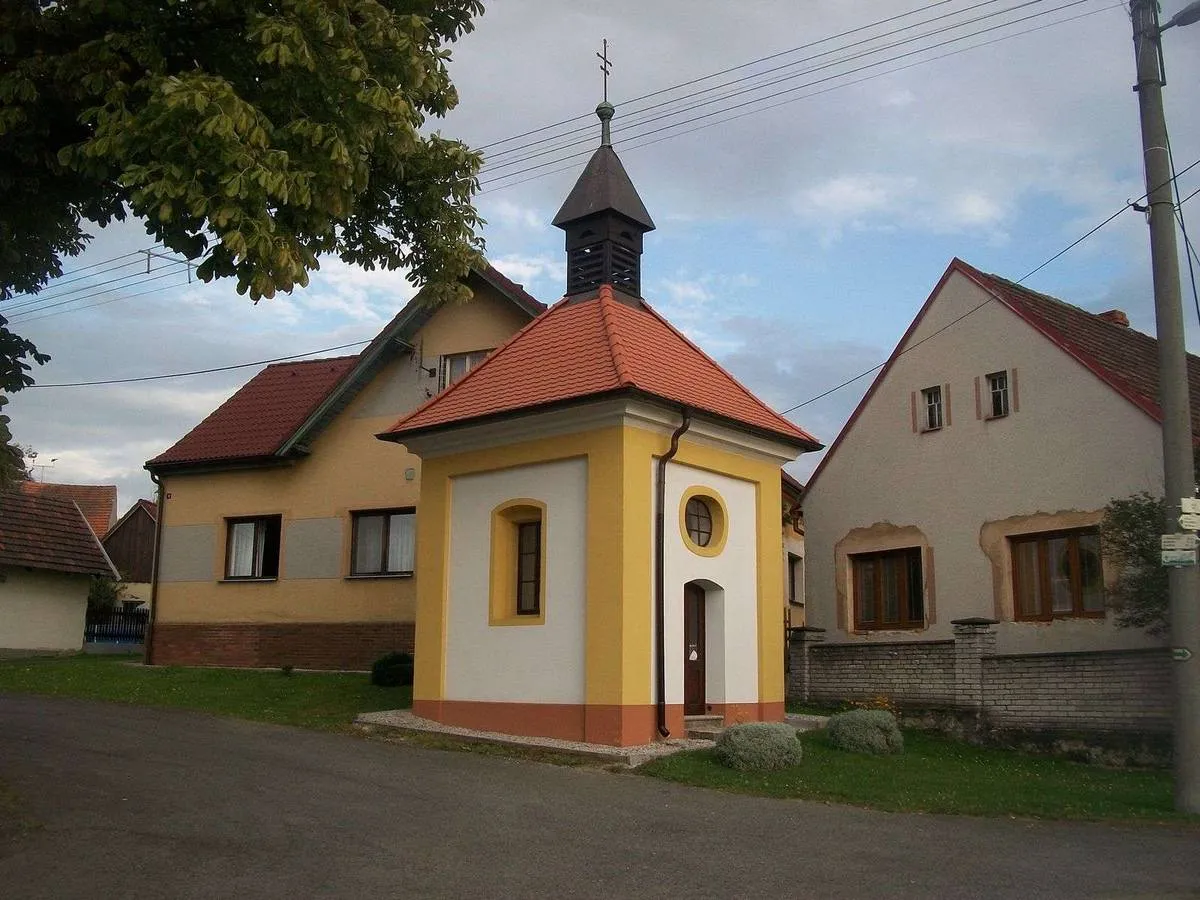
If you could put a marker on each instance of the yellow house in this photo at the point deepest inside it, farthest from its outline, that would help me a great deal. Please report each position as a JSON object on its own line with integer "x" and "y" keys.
{"x": 286, "y": 532}
{"x": 600, "y": 502}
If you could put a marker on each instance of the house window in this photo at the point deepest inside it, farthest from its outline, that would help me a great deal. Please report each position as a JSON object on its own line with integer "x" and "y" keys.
{"x": 931, "y": 398}
{"x": 888, "y": 590}
{"x": 997, "y": 384}
{"x": 517, "y": 587}
{"x": 383, "y": 542}
{"x": 1057, "y": 575}
{"x": 252, "y": 547}
{"x": 795, "y": 579}
{"x": 529, "y": 568}
{"x": 455, "y": 365}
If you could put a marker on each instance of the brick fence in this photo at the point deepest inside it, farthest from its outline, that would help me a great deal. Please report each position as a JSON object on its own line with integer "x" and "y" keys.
{"x": 1106, "y": 691}
{"x": 308, "y": 645}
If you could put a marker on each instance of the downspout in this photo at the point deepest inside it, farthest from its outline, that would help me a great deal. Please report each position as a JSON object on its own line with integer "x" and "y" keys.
{"x": 158, "y": 530}
{"x": 660, "y": 612}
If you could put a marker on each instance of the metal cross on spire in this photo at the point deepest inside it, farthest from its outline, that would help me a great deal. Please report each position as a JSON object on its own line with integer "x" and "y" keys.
{"x": 605, "y": 67}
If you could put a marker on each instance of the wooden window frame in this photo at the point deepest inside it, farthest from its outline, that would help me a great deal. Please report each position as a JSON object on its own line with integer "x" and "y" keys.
{"x": 1042, "y": 540}
{"x": 356, "y": 517}
{"x": 522, "y": 528}
{"x": 932, "y": 398}
{"x": 261, "y": 534}
{"x": 1004, "y": 392}
{"x": 906, "y": 621}
{"x": 695, "y": 522}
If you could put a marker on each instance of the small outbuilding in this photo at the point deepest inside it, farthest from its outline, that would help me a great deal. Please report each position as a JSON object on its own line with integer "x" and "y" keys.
{"x": 48, "y": 556}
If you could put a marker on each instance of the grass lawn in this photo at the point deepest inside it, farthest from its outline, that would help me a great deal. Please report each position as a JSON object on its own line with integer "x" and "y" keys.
{"x": 936, "y": 775}
{"x": 327, "y": 700}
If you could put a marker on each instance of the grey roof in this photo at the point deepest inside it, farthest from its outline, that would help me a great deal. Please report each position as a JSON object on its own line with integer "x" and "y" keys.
{"x": 604, "y": 185}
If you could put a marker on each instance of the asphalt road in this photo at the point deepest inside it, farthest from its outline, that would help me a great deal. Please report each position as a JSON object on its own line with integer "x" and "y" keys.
{"x": 128, "y": 802}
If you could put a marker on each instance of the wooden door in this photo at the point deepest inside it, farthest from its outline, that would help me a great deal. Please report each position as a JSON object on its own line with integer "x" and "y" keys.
{"x": 693, "y": 651}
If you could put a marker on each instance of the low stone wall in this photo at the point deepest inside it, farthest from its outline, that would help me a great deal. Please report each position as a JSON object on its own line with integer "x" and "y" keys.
{"x": 307, "y": 645}
{"x": 1112, "y": 690}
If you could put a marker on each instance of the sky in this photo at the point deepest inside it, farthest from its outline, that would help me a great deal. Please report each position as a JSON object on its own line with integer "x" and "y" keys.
{"x": 798, "y": 233}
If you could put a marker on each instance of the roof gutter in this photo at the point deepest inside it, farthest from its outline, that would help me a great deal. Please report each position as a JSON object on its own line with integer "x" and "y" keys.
{"x": 660, "y": 587}
{"x": 148, "y": 659}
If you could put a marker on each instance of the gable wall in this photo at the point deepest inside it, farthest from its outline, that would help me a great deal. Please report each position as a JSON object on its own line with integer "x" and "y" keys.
{"x": 348, "y": 469}
{"x": 1072, "y": 445}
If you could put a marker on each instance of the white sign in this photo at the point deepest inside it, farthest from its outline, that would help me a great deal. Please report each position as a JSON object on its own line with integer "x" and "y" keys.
{"x": 1190, "y": 505}
{"x": 1189, "y": 522}
{"x": 1179, "y": 557}
{"x": 1184, "y": 541}
{"x": 1181, "y": 654}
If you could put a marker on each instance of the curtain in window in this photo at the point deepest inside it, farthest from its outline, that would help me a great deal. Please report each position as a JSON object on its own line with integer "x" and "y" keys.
{"x": 368, "y": 549}
{"x": 243, "y": 561}
{"x": 401, "y": 542}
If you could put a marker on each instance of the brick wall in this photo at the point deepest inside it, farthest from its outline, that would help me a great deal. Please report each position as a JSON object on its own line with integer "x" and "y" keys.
{"x": 922, "y": 674}
{"x": 310, "y": 645}
{"x": 1116, "y": 690}
{"x": 1108, "y": 691}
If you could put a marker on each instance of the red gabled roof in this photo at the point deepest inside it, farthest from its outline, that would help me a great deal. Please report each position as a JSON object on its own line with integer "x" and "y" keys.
{"x": 1124, "y": 359}
{"x": 51, "y": 533}
{"x": 149, "y": 507}
{"x": 583, "y": 349}
{"x": 97, "y": 501}
{"x": 264, "y": 413}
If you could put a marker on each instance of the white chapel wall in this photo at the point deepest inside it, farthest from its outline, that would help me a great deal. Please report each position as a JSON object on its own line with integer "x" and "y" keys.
{"x": 542, "y": 663}
{"x": 731, "y": 612}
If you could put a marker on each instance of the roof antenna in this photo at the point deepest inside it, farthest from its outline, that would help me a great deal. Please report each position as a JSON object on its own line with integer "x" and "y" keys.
{"x": 605, "y": 109}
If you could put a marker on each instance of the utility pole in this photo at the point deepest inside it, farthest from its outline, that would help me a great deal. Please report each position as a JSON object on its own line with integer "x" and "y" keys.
{"x": 1178, "y": 475}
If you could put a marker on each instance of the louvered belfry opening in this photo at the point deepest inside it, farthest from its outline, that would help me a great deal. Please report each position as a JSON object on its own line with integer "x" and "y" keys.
{"x": 604, "y": 249}
{"x": 604, "y": 220}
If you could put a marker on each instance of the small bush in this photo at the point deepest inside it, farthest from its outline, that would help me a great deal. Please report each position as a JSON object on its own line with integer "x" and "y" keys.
{"x": 759, "y": 746}
{"x": 865, "y": 731}
{"x": 393, "y": 670}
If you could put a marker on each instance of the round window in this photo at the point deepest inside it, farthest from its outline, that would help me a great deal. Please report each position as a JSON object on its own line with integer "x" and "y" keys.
{"x": 699, "y": 521}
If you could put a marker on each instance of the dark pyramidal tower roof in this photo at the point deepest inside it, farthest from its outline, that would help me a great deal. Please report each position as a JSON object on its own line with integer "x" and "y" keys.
{"x": 604, "y": 219}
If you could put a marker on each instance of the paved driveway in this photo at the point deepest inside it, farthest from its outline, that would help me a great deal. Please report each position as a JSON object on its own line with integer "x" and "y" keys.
{"x": 149, "y": 803}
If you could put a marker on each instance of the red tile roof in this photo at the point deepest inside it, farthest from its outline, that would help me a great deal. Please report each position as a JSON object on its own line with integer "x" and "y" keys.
{"x": 1123, "y": 358}
{"x": 286, "y": 402}
{"x": 264, "y": 413}
{"x": 150, "y": 507}
{"x": 583, "y": 349}
{"x": 98, "y": 501}
{"x": 46, "y": 532}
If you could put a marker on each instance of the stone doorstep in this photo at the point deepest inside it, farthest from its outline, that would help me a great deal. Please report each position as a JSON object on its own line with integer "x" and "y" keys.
{"x": 403, "y": 720}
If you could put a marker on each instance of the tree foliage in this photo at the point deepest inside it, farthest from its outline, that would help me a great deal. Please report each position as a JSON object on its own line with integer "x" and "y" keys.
{"x": 1129, "y": 535}
{"x": 253, "y": 135}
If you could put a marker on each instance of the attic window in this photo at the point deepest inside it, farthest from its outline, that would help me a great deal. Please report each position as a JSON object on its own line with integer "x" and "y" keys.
{"x": 931, "y": 401}
{"x": 455, "y": 365}
{"x": 997, "y": 383}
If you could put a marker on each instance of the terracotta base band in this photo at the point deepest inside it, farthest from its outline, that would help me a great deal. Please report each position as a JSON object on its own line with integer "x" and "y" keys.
{"x": 619, "y": 726}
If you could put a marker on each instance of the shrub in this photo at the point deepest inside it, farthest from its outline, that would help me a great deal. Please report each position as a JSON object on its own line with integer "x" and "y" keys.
{"x": 865, "y": 731}
{"x": 393, "y": 670}
{"x": 759, "y": 746}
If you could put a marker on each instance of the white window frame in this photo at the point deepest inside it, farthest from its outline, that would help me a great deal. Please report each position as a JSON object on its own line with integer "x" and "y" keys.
{"x": 447, "y": 361}
{"x": 998, "y": 387}
{"x": 932, "y": 403}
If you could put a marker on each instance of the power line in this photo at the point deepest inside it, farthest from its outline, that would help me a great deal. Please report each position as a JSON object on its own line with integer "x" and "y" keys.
{"x": 635, "y": 134}
{"x": 23, "y": 317}
{"x": 1075, "y": 243}
{"x": 153, "y": 290}
{"x": 631, "y": 128}
{"x": 628, "y": 114}
{"x": 260, "y": 362}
